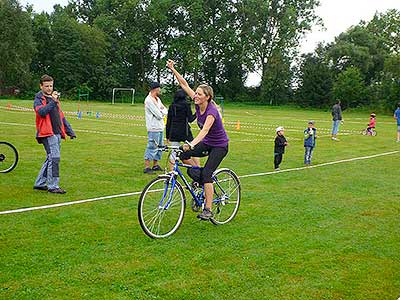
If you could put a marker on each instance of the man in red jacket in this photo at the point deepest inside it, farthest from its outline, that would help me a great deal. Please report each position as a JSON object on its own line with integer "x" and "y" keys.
{"x": 51, "y": 127}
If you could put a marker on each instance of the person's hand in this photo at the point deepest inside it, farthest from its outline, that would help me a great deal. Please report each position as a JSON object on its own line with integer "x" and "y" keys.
{"x": 170, "y": 64}
{"x": 286, "y": 144}
{"x": 185, "y": 147}
{"x": 167, "y": 141}
{"x": 56, "y": 96}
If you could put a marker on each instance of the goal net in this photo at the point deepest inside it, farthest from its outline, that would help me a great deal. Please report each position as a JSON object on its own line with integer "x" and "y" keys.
{"x": 119, "y": 93}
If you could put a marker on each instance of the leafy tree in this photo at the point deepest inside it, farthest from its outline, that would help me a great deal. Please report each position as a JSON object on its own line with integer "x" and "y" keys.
{"x": 43, "y": 36}
{"x": 315, "y": 82}
{"x": 359, "y": 48}
{"x": 79, "y": 54}
{"x": 386, "y": 27}
{"x": 349, "y": 88}
{"x": 270, "y": 32}
{"x": 17, "y": 46}
{"x": 391, "y": 81}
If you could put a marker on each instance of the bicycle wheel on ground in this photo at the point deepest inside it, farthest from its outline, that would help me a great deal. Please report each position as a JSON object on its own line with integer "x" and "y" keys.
{"x": 226, "y": 196}
{"x": 8, "y": 157}
{"x": 374, "y": 133}
{"x": 364, "y": 132}
{"x": 161, "y": 207}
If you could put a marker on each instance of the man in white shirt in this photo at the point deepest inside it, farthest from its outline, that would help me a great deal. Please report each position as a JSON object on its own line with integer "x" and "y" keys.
{"x": 154, "y": 113}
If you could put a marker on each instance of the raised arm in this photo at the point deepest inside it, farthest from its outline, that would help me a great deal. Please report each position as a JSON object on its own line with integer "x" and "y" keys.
{"x": 182, "y": 82}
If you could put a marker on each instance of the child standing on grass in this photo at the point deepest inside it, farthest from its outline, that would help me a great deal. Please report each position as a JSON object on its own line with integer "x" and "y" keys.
{"x": 279, "y": 149}
{"x": 371, "y": 124}
{"x": 310, "y": 134}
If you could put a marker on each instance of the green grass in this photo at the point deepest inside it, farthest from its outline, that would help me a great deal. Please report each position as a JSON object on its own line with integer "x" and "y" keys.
{"x": 321, "y": 233}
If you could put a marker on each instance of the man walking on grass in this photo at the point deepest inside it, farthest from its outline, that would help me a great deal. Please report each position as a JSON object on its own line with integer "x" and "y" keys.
{"x": 337, "y": 119}
{"x": 51, "y": 127}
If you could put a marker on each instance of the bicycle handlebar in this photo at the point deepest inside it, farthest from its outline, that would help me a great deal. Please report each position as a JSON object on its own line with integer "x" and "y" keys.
{"x": 167, "y": 148}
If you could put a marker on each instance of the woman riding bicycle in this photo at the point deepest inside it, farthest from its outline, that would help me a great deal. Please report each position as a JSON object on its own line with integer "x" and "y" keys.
{"x": 212, "y": 139}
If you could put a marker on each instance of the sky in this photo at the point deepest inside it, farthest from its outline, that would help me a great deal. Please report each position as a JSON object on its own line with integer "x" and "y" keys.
{"x": 337, "y": 16}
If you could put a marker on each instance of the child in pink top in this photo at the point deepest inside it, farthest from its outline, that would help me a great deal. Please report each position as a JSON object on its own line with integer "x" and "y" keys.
{"x": 372, "y": 123}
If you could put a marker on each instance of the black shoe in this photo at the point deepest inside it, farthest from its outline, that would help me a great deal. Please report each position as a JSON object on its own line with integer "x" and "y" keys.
{"x": 156, "y": 168}
{"x": 148, "y": 171}
{"x": 57, "y": 191}
{"x": 40, "y": 188}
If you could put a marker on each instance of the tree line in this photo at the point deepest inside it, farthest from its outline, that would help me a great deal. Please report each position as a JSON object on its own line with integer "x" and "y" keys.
{"x": 95, "y": 45}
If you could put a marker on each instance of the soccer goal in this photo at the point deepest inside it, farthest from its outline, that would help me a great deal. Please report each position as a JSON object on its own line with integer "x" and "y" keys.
{"x": 115, "y": 90}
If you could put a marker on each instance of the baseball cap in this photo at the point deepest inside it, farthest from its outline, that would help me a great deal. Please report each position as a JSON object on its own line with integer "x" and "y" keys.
{"x": 154, "y": 85}
{"x": 280, "y": 128}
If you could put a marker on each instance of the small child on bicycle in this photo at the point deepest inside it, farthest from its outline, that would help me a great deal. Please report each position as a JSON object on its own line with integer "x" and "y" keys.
{"x": 372, "y": 123}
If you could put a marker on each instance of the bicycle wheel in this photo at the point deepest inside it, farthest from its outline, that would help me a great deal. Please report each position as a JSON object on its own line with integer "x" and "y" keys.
{"x": 364, "y": 132}
{"x": 161, "y": 207}
{"x": 374, "y": 133}
{"x": 226, "y": 196}
{"x": 8, "y": 157}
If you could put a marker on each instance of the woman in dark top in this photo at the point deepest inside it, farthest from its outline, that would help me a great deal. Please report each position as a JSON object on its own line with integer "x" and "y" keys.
{"x": 179, "y": 116}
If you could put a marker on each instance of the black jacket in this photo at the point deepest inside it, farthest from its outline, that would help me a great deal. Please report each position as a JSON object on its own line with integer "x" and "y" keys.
{"x": 179, "y": 116}
{"x": 280, "y": 141}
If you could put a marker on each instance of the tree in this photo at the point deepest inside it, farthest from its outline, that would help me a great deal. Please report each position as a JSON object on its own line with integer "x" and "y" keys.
{"x": 391, "y": 81}
{"x": 386, "y": 26}
{"x": 79, "y": 54}
{"x": 43, "y": 35}
{"x": 316, "y": 81}
{"x": 349, "y": 88}
{"x": 17, "y": 46}
{"x": 359, "y": 48}
{"x": 271, "y": 30}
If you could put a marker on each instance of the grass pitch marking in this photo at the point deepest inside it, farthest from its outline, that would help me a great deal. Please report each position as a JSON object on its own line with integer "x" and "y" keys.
{"x": 20, "y": 210}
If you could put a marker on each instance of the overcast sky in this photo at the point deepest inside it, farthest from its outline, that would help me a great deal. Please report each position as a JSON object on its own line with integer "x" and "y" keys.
{"x": 337, "y": 15}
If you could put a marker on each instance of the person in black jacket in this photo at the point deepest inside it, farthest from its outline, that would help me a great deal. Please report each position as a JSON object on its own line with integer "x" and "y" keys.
{"x": 179, "y": 116}
{"x": 279, "y": 149}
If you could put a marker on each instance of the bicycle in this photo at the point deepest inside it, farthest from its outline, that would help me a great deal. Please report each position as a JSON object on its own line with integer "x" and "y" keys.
{"x": 372, "y": 132}
{"x": 8, "y": 157}
{"x": 162, "y": 202}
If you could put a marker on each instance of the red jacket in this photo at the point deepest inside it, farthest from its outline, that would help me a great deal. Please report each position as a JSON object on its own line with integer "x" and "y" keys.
{"x": 43, "y": 121}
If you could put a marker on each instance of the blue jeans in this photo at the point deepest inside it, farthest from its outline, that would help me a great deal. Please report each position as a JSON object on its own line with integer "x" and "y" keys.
{"x": 308, "y": 155}
{"x": 335, "y": 127}
{"x": 154, "y": 138}
{"x": 49, "y": 174}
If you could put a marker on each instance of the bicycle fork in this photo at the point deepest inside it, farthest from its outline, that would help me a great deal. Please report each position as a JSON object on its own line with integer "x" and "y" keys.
{"x": 166, "y": 199}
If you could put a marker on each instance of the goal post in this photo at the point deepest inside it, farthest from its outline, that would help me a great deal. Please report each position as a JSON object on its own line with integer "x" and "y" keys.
{"x": 123, "y": 89}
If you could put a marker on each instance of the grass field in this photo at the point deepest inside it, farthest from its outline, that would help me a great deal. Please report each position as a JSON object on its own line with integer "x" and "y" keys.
{"x": 329, "y": 232}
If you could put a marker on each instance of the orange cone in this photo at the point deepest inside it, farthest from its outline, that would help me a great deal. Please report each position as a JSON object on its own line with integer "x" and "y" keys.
{"x": 9, "y": 105}
{"x": 238, "y": 125}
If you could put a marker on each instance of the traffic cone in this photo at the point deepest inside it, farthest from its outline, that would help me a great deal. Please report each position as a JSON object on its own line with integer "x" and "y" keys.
{"x": 238, "y": 125}
{"x": 9, "y": 105}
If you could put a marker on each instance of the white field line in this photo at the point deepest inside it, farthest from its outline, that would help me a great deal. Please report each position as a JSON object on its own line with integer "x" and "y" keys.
{"x": 20, "y": 210}
{"x": 322, "y": 165}
{"x": 66, "y": 203}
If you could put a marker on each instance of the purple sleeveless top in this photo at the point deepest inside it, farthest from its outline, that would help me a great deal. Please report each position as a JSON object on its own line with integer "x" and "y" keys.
{"x": 217, "y": 136}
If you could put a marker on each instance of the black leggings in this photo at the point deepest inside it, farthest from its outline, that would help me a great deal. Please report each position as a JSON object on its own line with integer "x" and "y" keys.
{"x": 215, "y": 156}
